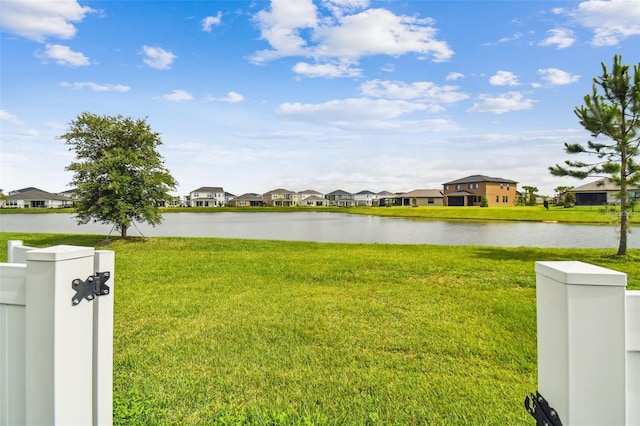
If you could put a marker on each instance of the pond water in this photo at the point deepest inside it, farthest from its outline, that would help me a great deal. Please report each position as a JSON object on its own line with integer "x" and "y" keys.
{"x": 339, "y": 227}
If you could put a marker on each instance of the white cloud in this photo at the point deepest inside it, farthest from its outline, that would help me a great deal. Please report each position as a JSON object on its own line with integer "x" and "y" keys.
{"x": 349, "y": 112}
{"x": 420, "y": 90}
{"x": 38, "y": 20}
{"x": 557, "y": 77}
{"x": 295, "y": 28}
{"x": 232, "y": 98}
{"x": 7, "y": 117}
{"x": 210, "y": 21}
{"x": 611, "y": 21}
{"x": 157, "y": 57}
{"x": 326, "y": 70}
{"x": 178, "y": 96}
{"x": 340, "y": 7}
{"x": 561, "y": 38}
{"x": 379, "y": 31}
{"x": 31, "y": 133}
{"x": 504, "y": 78}
{"x": 63, "y": 55}
{"x": 388, "y": 68}
{"x": 512, "y": 101}
{"x": 515, "y": 36}
{"x": 281, "y": 27}
{"x": 453, "y": 76}
{"x": 95, "y": 86}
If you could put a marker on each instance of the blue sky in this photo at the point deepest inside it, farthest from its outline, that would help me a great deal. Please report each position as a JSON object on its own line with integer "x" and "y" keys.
{"x": 300, "y": 94}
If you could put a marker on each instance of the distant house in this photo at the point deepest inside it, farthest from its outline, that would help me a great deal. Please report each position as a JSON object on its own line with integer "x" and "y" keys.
{"x": 601, "y": 192}
{"x": 34, "y": 198}
{"x": 207, "y": 196}
{"x": 340, "y": 198}
{"x": 280, "y": 198}
{"x": 470, "y": 190}
{"x": 314, "y": 201}
{"x": 71, "y": 193}
{"x": 302, "y": 195}
{"x": 364, "y": 198}
{"x": 417, "y": 197}
{"x": 423, "y": 197}
{"x": 247, "y": 200}
{"x": 228, "y": 196}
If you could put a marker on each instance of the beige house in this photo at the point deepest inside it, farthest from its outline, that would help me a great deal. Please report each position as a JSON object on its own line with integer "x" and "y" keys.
{"x": 470, "y": 190}
{"x": 423, "y": 197}
{"x": 246, "y": 200}
{"x": 281, "y": 198}
{"x": 34, "y": 198}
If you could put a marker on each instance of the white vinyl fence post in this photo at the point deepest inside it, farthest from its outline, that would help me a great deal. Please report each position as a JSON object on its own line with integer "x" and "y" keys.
{"x": 633, "y": 357}
{"x": 581, "y": 341}
{"x": 58, "y": 337}
{"x": 11, "y": 245}
{"x": 12, "y": 368}
{"x": 103, "y": 344}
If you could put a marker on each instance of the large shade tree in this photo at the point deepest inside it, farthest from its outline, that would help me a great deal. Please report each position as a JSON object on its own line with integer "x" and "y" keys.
{"x": 612, "y": 112}
{"x": 119, "y": 175}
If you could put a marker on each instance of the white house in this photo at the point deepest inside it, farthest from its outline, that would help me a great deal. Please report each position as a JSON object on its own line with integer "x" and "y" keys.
{"x": 207, "y": 196}
{"x": 364, "y": 198}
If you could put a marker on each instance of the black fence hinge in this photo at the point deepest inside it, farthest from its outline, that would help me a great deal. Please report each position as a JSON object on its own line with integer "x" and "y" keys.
{"x": 540, "y": 409}
{"x": 95, "y": 285}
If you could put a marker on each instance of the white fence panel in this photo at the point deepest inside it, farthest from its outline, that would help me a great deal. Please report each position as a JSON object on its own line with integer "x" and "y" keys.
{"x": 12, "y": 329}
{"x": 633, "y": 357}
{"x": 56, "y": 346}
{"x": 588, "y": 344}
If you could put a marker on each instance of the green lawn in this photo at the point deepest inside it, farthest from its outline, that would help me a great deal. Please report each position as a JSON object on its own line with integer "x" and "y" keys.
{"x": 593, "y": 214}
{"x": 223, "y": 331}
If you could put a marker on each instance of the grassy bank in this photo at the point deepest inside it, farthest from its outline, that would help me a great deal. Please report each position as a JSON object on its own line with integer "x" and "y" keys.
{"x": 594, "y": 214}
{"x": 217, "y": 331}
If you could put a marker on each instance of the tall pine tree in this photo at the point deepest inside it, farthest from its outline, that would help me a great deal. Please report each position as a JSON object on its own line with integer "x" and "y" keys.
{"x": 612, "y": 113}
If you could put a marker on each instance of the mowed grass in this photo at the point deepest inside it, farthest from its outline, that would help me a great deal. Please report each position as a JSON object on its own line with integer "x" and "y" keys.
{"x": 582, "y": 214}
{"x": 222, "y": 331}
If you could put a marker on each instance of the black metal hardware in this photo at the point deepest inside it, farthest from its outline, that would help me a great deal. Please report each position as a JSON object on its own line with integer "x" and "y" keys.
{"x": 539, "y": 408}
{"x": 95, "y": 285}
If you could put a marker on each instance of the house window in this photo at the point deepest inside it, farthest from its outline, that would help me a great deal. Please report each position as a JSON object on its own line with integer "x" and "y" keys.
{"x": 195, "y": 195}
{"x": 497, "y": 198}
{"x": 446, "y": 187}
{"x": 508, "y": 186}
{"x": 430, "y": 200}
{"x": 457, "y": 187}
{"x": 501, "y": 185}
{"x": 505, "y": 199}
{"x": 12, "y": 203}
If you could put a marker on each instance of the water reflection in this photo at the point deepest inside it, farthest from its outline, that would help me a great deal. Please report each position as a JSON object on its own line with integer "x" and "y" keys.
{"x": 339, "y": 227}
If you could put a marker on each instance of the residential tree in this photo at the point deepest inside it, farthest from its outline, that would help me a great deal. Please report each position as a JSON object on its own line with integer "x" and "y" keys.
{"x": 119, "y": 175}
{"x": 569, "y": 200}
{"x": 560, "y": 193}
{"x": 612, "y": 112}
{"x": 531, "y": 195}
